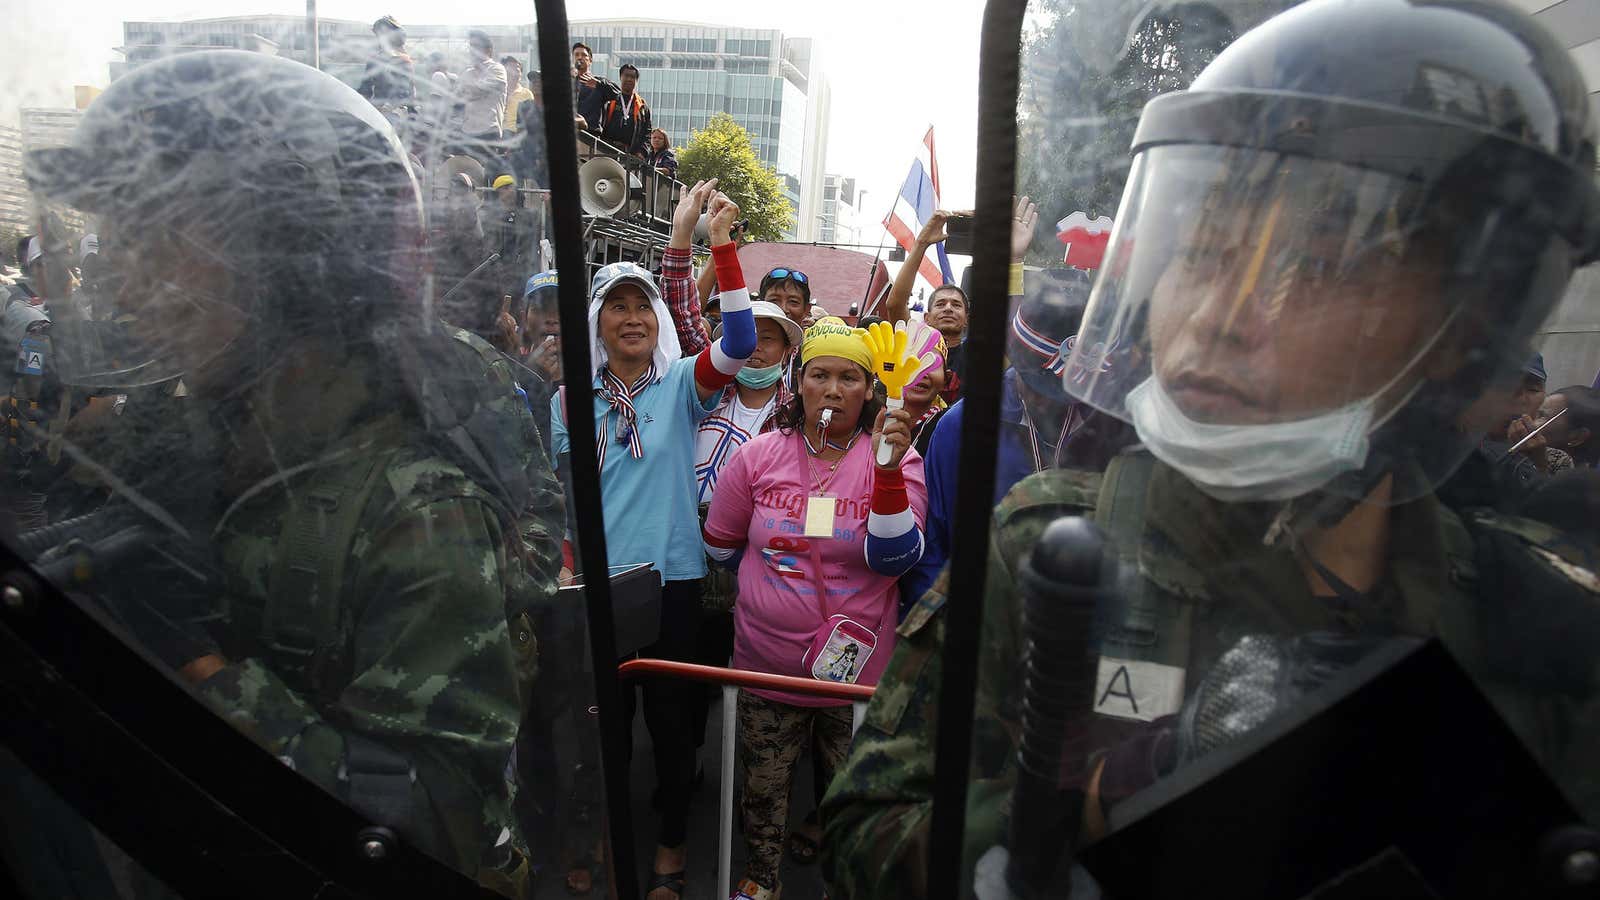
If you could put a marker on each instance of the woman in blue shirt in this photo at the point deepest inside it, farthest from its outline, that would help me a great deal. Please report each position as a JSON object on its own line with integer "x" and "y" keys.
{"x": 647, "y": 404}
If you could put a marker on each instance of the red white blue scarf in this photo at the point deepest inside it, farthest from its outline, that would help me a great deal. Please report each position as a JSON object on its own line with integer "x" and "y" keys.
{"x": 620, "y": 397}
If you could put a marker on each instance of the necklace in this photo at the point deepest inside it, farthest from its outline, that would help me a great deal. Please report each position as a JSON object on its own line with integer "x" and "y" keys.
{"x": 820, "y": 485}
{"x": 1068, "y": 425}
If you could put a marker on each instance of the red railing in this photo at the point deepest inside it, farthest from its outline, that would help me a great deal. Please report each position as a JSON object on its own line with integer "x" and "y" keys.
{"x": 638, "y": 668}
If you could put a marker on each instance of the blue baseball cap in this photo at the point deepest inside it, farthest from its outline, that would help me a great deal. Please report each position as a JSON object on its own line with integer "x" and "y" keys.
{"x": 1535, "y": 367}
{"x": 539, "y": 282}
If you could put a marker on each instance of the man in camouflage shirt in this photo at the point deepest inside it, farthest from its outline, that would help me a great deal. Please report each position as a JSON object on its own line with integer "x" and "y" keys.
{"x": 345, "y": 515}
{"x": 1296, "y": 340}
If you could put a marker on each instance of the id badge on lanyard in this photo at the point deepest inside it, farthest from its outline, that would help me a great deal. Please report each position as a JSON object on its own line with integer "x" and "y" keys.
{"x": 819, "y": 516}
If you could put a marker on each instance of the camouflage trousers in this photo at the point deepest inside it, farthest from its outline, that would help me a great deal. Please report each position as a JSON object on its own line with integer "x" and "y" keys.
{"x": 771, "y": 736}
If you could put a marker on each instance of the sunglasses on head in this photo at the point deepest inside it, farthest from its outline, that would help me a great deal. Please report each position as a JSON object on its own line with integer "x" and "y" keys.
{"x": 791, "y": 274}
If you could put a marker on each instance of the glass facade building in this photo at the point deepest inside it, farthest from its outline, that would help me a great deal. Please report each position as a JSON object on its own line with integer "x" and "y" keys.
{"x": 772, "y": 85}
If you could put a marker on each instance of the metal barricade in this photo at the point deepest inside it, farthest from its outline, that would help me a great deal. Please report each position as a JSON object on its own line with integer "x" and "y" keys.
{"x": 730, "y": 681}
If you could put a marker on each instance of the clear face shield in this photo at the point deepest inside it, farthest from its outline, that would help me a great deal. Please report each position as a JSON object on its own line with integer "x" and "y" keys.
{"x": 152, "y": 311}
{"x": 1259, "y": 317}
{"x": 203, "y": 244}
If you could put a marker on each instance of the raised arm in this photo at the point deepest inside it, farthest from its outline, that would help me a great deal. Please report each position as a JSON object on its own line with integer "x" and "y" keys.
{"x": 719, "y": 363}
{"x": 898, "y": 307}
{"x": 894, "y": 524}
{"x": 706, "y": 283}
{"x": 678, "y": 289}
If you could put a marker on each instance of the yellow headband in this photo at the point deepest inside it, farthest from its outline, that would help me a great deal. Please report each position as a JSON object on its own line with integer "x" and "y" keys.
{"x": 830, "y": 336}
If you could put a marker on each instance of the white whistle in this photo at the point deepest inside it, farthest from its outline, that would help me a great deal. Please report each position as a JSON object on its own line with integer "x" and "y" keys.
{"x": 824, "y": 418}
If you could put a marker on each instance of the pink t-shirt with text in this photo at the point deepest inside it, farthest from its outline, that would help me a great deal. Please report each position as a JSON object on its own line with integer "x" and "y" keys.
{"x": 761, "y": 500}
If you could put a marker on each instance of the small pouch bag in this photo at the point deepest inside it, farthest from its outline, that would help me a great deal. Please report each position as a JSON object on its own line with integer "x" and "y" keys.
{"x": 839, "y": 650}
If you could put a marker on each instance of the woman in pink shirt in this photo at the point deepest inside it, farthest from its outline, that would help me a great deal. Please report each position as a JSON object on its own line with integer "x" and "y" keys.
{"x": 818, "y": 534}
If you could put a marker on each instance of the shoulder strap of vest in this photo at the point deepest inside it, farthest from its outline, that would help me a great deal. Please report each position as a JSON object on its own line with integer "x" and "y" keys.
{"x": 1120, "y": 509}
{"x": 1151, "y": 624}
{"x": 300, "y": 622}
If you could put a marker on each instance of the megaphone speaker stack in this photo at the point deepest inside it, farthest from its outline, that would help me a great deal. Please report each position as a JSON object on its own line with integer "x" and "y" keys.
{"x": 474, "y": 169}
{"x": 603, "y": 187}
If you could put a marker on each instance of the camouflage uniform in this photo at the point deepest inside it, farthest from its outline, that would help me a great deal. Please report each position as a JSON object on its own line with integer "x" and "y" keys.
{"x": 1446, "y": 571}
{"x": 426, "y": 656}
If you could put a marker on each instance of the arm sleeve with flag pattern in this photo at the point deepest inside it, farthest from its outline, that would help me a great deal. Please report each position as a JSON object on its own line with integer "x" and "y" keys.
{"x": 719, "y": 363}
{"x": 894, "y": 538}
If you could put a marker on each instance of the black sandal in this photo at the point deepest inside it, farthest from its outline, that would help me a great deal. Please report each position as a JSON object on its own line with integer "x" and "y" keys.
{"x": 672, "y": 881}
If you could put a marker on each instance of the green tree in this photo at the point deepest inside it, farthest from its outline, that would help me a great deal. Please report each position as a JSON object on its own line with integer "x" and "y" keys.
{"x": 723, "y": 151}
{"x": 8, "y": 244}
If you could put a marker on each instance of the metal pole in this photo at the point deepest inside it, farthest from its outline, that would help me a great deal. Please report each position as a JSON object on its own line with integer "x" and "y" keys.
{"x": 561, "y": 141}
{"x": 998, "y": 64}
{"x": 730, "y": 727}
{"x": 876, "y": 260}
{"x": 314, "y": 52}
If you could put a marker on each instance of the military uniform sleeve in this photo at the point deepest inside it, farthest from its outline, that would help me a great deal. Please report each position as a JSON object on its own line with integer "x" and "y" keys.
{"x": 877, "y": 811}
{"x": 542, "y": 526}
{"x": 431, "y": 663}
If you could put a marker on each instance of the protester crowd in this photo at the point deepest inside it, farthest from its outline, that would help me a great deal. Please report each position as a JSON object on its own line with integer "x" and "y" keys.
{"x": 789, "y": 476}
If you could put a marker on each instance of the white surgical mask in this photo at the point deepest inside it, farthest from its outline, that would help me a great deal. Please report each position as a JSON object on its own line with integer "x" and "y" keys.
{"x": 1277, "y": 461}
{"x": 758, "y": 378}
{"x": 1237, "y": 463}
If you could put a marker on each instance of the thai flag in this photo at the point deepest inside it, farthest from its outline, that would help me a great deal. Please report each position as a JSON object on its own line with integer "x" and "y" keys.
{"x": 918, "y": 199}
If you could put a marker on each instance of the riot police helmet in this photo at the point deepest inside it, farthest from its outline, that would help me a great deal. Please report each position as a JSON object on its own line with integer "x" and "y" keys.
{"x": 1338, "y": 239}
{"x": 240, "y": 200}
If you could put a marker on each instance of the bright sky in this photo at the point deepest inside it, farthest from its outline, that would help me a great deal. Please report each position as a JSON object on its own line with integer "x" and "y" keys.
{"x": 895, "y": 67}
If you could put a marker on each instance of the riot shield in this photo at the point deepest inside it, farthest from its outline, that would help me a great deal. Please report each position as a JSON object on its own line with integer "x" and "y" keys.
{"x": 1183, "y": 641}
{"x": 278, "y": 446}
{"x": 1179, "y": 686}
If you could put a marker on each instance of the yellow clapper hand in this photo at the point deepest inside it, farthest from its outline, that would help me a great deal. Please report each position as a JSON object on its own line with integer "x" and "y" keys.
{"x": 893, "y": 367}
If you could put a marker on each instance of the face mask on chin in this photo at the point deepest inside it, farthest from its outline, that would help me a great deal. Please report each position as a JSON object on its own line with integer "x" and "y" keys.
{"x": 758, "y": 378}
{"x": 1277, "y": 461}
{"x": 1242, "y": 463}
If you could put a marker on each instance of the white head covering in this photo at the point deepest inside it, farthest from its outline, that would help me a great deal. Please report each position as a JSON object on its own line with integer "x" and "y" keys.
{"x": 89, "y": 244}
{"x": 35, "y": 250}
{"x": 667, "y": 347}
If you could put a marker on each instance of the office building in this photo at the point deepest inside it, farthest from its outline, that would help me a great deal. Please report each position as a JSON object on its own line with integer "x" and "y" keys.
{"x": 49, "y": 127}
{"x": 40, "y": 128}
{"x": 840, "y": 219}
{"x": 13, "y": 190}
{"x": 343, "y": 45}
{"x": 772, "y": 85}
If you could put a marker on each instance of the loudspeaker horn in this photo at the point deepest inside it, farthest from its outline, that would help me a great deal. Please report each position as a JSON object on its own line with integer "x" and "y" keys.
{"x": 603, "y": 186}
{"x": 473, "y": 168}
